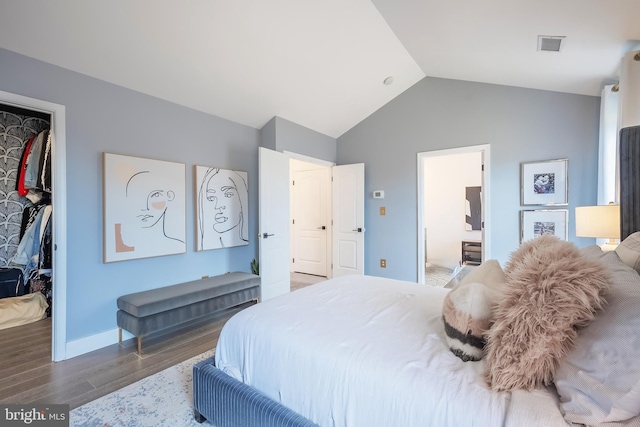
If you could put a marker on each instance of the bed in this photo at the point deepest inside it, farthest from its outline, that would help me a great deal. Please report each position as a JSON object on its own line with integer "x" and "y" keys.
{"x": 371, "y": 351}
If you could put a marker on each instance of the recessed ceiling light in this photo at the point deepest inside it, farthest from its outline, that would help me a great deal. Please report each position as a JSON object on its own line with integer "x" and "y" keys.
{"x": 388, "y": 80}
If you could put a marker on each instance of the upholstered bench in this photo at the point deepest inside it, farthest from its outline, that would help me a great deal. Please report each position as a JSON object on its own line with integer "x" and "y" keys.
{"x": 142, "y": 313}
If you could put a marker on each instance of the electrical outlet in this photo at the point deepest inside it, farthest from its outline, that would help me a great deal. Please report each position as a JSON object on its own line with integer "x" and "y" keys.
{"x": 383, "y": 263}
{"x": 383, "y": 210}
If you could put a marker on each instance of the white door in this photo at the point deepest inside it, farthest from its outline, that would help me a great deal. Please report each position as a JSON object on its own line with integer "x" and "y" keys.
{"x": 348, "y": 219}
{"x": 310, "y": 226}
{"x": 274, "y": 223}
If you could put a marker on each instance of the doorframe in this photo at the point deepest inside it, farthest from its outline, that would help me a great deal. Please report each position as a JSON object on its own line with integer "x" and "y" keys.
{"x": 327, "y": 164}
{"x": 485, "y": 150}
{"x": 59, "y": 202}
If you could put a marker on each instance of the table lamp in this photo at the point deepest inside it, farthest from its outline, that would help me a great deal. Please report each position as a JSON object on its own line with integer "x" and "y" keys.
{"x": 600, "y": 222}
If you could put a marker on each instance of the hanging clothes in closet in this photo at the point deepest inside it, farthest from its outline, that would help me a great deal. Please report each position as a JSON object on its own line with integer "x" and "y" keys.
{"x": 20, "y": 129}
{"x": 34, "y": 251}
{"x": 33, "y": 181}
{"x": 34, "y": 173}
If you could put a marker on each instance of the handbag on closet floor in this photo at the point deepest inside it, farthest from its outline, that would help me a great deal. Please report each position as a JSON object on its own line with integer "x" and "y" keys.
{"x": 11, "y": 282}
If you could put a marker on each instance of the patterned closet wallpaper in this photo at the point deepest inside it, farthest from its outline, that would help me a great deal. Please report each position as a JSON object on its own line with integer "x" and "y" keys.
{"x": 15, "y": 131}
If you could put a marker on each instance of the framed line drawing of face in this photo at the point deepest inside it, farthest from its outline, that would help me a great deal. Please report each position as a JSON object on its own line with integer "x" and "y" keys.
{"x": 144, "y": 207}
{"x": 222, "y": 197}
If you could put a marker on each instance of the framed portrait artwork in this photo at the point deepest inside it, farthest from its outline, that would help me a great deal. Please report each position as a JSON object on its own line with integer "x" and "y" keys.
{"x": 144, "y": 207}
{"x": 536, "y": 223}
{"x": 222, "y": 197}
{"x": 544, "y": 183}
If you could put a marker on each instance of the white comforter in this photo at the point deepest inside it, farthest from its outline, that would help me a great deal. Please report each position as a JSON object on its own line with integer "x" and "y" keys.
{"x": 367, "y": 351}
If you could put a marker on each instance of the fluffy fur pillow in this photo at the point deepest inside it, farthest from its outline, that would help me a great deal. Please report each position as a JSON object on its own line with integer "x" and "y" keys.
{"x": 467, "y": 310}
{"x": 551, "y": 292}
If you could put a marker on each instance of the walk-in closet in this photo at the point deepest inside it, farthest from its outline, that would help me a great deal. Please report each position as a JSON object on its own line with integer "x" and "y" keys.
{"x": 26, "y": 273}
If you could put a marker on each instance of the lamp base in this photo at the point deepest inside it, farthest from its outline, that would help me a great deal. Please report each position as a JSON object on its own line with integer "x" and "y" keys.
{"x": 607, "y": 247}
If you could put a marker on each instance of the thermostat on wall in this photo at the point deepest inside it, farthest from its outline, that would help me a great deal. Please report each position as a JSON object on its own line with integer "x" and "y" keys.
{"x": 378, "y": 194}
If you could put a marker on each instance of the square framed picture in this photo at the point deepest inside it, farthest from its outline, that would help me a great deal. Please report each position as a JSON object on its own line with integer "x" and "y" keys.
{"x": 144, "y": 202}
{"x": 544, "y": 183}
{"x": 536, "y": 223}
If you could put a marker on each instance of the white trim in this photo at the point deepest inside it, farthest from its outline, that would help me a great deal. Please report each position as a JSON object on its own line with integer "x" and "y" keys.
{"x": 485, "y": 150}
{"x": 59, "y": 201}
{"x": 95, "y": 342}
{"x": 308, "y": 159}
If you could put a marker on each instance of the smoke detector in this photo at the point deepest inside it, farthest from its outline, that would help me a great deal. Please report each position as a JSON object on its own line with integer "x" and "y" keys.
{"x": 550, "y": 43}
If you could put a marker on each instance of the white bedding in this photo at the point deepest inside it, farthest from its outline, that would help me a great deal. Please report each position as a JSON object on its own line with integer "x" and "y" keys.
{"x": 368, "y": 351}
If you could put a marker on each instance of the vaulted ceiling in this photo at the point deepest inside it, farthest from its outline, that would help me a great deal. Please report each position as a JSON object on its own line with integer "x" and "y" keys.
{"x": 321, "y": 63}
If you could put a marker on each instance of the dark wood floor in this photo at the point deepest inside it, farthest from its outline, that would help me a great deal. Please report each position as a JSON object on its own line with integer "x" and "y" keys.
{"x": 27, "y": 374}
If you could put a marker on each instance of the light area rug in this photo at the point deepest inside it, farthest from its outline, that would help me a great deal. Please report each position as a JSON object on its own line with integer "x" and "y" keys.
{"x": 301, "y": 280}
{"x": 162, "y": 399}
{"x": 437, "y": 275}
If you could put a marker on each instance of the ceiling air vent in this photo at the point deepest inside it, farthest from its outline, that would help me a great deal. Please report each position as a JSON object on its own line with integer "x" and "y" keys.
{"x": 550, "y": 43}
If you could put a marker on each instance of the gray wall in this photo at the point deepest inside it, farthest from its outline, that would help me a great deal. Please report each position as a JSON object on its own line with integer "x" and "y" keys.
{"x": 103, "y": 117}
{"x": 282, "y": 135}
{"x": 520, "y": 125}
{"x": 268, "y": 135}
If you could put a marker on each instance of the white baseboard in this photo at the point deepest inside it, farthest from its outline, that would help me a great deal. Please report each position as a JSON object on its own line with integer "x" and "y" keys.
{"x": 94, "y": 342}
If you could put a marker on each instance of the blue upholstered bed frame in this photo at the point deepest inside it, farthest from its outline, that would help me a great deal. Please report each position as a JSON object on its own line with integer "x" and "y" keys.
{"x": 226, "y": 402}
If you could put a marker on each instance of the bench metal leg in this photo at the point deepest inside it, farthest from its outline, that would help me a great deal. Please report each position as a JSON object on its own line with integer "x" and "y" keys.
{"x": 139, "y": 346}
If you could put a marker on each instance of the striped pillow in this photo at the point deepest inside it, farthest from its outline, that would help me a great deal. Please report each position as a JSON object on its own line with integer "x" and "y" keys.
{"x": 467, "y": 310}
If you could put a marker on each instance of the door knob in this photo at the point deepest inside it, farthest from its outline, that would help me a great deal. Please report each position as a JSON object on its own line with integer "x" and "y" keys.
{"x": 359, "y": 229}
{"x": 266, "y": 235}
{"x": 322, "y": 228}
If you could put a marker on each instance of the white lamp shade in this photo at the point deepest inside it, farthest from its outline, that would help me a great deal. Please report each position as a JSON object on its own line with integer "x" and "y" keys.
{"x": 598, "y": 221}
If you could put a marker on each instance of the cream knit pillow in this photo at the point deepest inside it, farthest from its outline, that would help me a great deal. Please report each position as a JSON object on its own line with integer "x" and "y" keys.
{"x": 467, "y": 310}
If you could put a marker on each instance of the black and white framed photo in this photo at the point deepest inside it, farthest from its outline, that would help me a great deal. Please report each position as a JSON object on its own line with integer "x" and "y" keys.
{"x": 544, "y": 183}
{"x": 536, "y": 223}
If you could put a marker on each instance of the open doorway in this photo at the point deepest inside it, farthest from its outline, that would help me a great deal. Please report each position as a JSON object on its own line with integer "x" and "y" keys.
{"x": 344, "y": 227}
{"x": 55, "y": 115}
{"x": 453, "y": 197}
{"x": 310, "y": 213}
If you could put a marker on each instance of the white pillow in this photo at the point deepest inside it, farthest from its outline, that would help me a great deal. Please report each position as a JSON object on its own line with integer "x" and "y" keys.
{"x": 599, "y": 379}
{"x": 467, "y": 310}
{"x": 629, "y": 251}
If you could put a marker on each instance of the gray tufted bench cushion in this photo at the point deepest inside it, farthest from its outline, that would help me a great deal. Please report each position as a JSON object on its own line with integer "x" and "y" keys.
{"x": 142, "y": 313}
